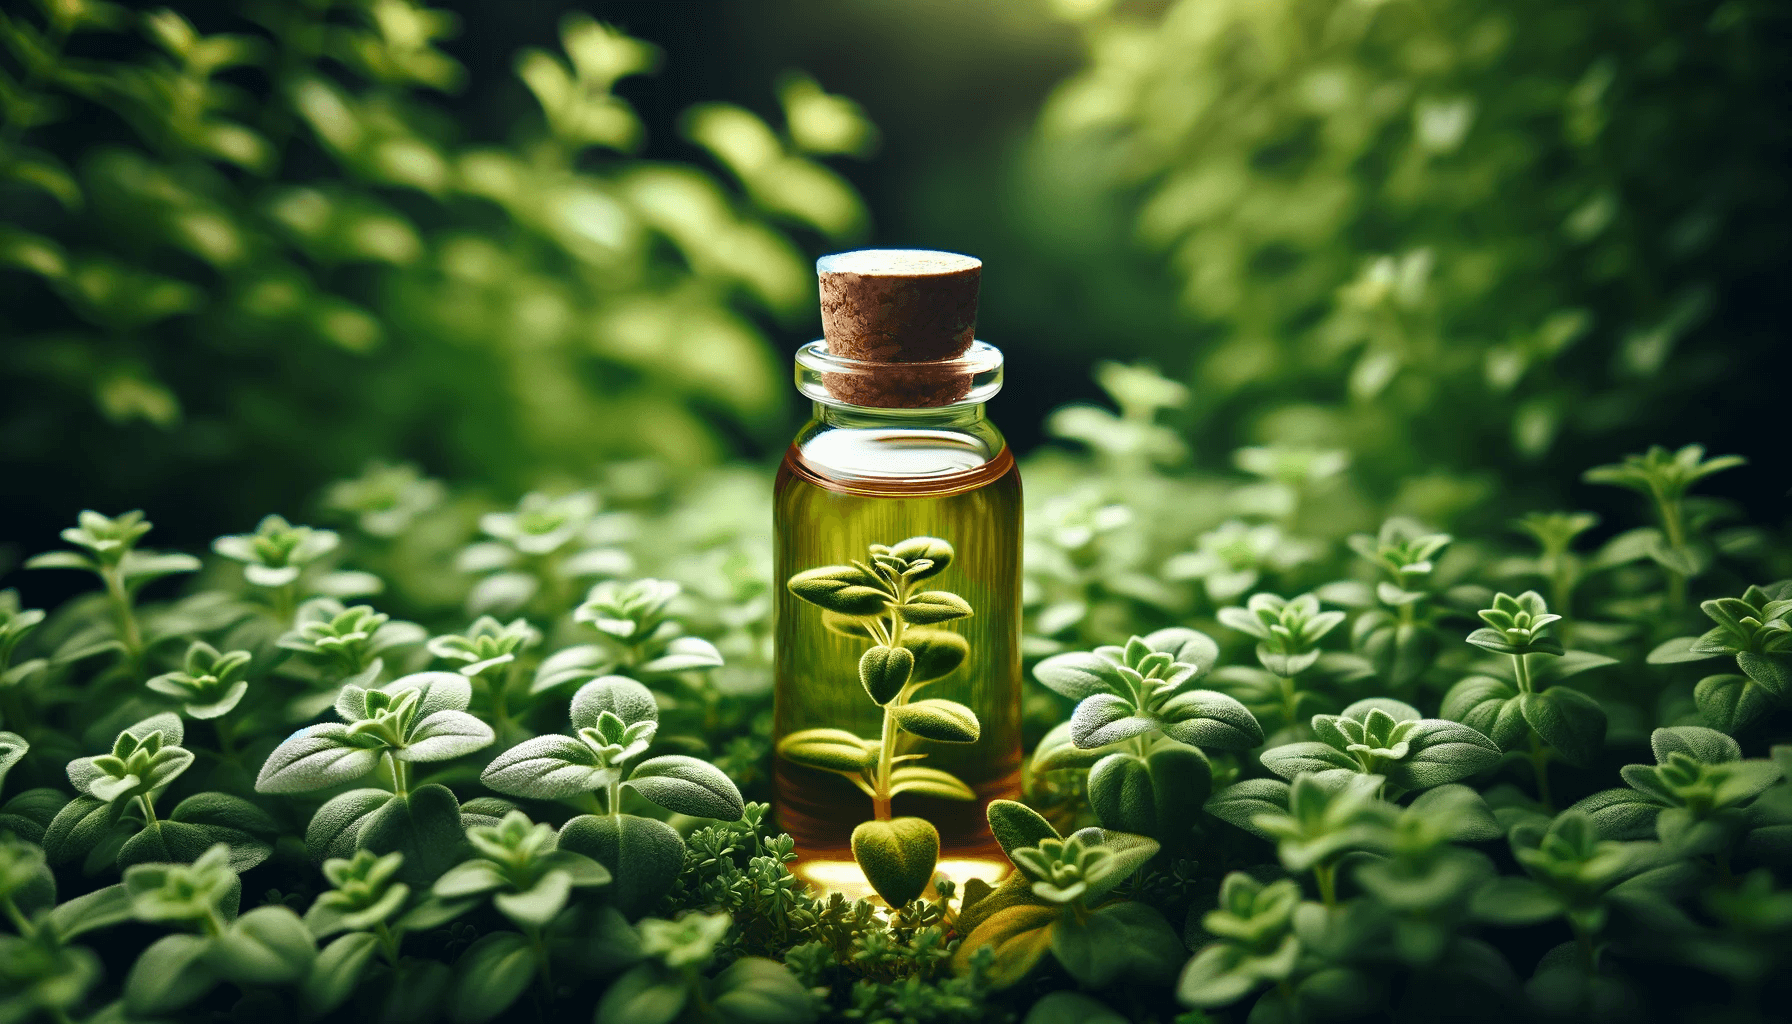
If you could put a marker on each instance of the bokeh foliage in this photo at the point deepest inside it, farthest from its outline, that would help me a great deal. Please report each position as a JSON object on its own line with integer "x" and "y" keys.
{"x": 273, "y": 249}
{"x": 1464, "y": 235}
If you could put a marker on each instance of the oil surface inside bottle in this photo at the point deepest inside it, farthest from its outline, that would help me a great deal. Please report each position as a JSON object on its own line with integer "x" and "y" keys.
{"x": 828, "y": 513}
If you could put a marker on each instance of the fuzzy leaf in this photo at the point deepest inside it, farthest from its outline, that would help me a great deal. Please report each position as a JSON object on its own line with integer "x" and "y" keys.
{"x": 834, "y": 750}
{"x": 844, "y": 589}
{"x": 315, "y": 757}
{"x": 1021, "y": 936}
{"x": 923, "y": 781}
{"x": 1731, "y": 702}
{"x": 490, "y": 976}
{"x": 335, "y": 826}
{"x": 546, "y": 768}
{"x": 1208, "y": 718}
{"x": 644, "y": 856}
{"x": 1078, "y": 675}
{"x": 446, "y": 734}
{"x": 687, "y": 785}
{"x": 897, "y": 856}
{"x": 1015, "y": 825}
{"x": 619, "y": 695}
{"x": 1569, "y": 721}
{"x": 942, "y": 721}
{"x": 937, "y": 652}
{"x": 931, "y": 607}
{"x": 1105, "y": 718}
{"x": 266, "y": 946}
{"x": 884, "y": 671}
{"x": 337, "y": 971}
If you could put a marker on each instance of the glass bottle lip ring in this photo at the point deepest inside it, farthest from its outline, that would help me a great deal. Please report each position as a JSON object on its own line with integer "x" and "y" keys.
{"x": 980, "y": 368}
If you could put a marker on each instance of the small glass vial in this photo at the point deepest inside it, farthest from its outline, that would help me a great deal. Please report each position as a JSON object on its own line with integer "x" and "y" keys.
{"x": 899, "y": 490}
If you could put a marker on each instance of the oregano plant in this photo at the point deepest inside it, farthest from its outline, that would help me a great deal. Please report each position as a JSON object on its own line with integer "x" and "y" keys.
{"x": 883, "y": 601}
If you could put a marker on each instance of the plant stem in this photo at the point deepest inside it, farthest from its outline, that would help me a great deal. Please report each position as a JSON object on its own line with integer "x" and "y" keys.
{"x": 1676, "y": 534}
{"x": 1327, "y": 877}
{"x": 880, "y": 800}
{"x": 1290, "y": 703}
{"x": 1521, "y": 672}
{"x": 1540, "y": 768}
{"x": 388, "y": 943}
{"x": 401, "y": 776}
{"x": 615, "y": 794}
{"x": 149, "y": 809}
{"x": 113, "y": 576}
{"x": 1584, "y": 940}
{"x": 286, "y": 603}
{"x": 226, "y": 746}
{"x": 17, "y": 916}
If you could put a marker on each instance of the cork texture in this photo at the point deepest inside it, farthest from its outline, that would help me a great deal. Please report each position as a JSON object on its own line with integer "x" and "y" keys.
{"x": 904, "y": 307}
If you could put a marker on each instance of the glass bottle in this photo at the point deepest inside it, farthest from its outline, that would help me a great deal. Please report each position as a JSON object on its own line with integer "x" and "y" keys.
{"x": 899, "y": 449}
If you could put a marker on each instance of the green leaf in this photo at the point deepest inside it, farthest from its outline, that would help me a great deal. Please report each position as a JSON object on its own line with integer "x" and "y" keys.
{"x": 642, "y": 996}
{"x": 897, "y": 856}
{"x": 100, "y": 908}
{"x": 937, "y": 652}
{"x": 1208, "y": 718}
{"x": 78, "y": 828}
{"x": 1291, "y": 759}
{"x": 1572, "y": 723}
{"x": 1707, "y": 746}
{"x": 1223, "y": 972}
{"x": 834, "y": 750}
{"x": 942, "y": 721}
{"x": 1105, "y": 718}
{"x": 1015, "y": 825}
{"x": 1490, "y": 707}
{"x": 1066, "y": 1007}
{"x": 1242, "y": 803}
{"x": 1731, "y": 702}
{"x": 644, "y": 856}
{"x": 1679, "y": 649}
{"x": 1126, "y": 854}
{"x": 933, "y": 782}
{"x": 337, "y": 971}
{"x": 931, "y": 607}
{"x": 1516, "y": 902}
{"x": 754, "y": 990}
{"x": 1078, "y": 675}
{"x": 884, "y": 671}
{"x": 490, "y": 976}
{"x": 1122, "y": 795}
{"x": 424, "y": 826}
{"x": 1440, "y": 752}
{"x": 172, "y": 972}
{"x": 1770, "y": 672}
{"x": 535, "y": 906}
{"x": 266, "y": 946}
{"x": 315, "y": 757}
{"x": 687, "y": 785}
{"x": 1092, "y": 951}
{"x": 844, "y": 589}
{"x": 337, "y": 824}
{"x": 1021, "y": 936}
{"x": 546, "y": 768}
{"x": 933, "y": 549}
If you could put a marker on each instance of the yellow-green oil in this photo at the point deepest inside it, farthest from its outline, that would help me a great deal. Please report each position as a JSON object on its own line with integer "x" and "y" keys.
{"x": 823, "y": 520}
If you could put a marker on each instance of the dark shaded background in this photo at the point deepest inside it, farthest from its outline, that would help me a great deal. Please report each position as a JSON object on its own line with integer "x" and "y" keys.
{"x": 954, "y": 89}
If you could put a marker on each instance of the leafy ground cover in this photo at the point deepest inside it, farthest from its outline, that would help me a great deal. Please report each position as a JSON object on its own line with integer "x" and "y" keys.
{"x": 1290, "y": 761}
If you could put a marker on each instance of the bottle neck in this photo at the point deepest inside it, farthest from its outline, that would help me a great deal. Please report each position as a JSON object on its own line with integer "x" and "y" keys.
{"x": 964, "y": 416}
{"x": 943, "y": 448}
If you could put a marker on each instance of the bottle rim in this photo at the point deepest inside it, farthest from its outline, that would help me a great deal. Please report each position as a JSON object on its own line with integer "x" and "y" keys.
{"x": 973, "y": 377}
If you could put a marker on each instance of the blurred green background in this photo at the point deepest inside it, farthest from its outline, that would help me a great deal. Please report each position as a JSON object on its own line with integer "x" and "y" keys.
{"x": 247, "y": 247}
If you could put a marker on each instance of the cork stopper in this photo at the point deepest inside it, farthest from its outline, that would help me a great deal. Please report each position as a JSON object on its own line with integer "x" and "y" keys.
{"x": 901, "y": 309}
